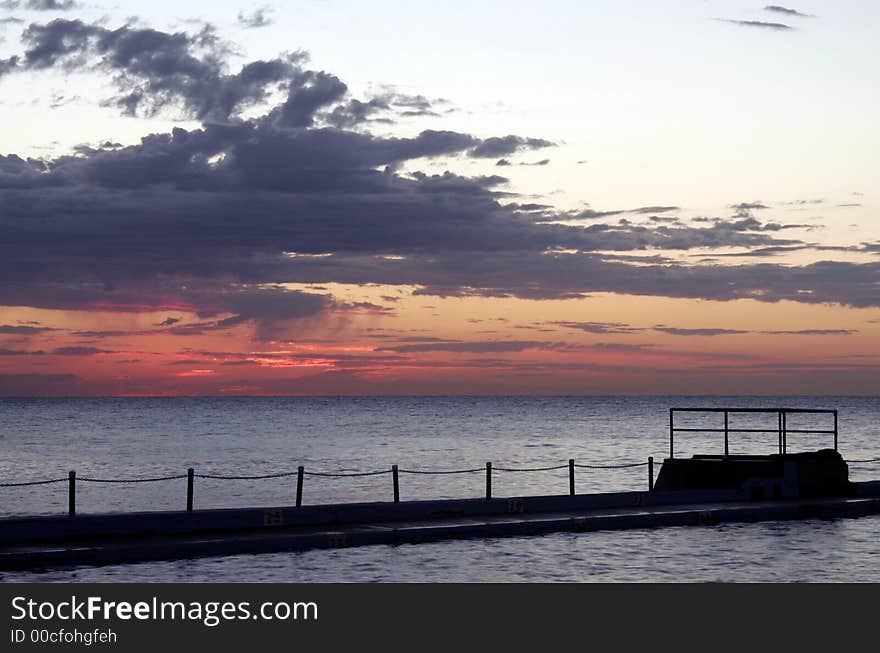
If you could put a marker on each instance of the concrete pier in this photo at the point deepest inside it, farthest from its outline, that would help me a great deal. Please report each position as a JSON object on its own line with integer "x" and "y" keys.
{"x": 45, "y": 542}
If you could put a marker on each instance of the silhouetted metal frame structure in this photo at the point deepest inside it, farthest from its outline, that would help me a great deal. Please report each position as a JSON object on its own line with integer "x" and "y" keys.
{"x": 781, "y": 430}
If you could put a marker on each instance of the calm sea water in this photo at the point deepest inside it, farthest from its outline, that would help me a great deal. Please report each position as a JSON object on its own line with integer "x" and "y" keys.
{"x": 136, "y": 438}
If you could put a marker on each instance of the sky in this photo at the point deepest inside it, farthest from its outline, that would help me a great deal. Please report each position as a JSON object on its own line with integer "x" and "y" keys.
{"x": 324, "y": 197}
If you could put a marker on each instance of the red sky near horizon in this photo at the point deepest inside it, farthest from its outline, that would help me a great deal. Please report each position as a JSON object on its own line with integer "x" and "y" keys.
{"x": 417, "y": 345}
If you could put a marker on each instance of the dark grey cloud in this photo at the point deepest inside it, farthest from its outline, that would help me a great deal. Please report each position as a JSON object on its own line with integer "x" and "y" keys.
{"x": 785, "y": 10}
{"x": 260, "y": 17}
{"x": 621, "y": 346}
{"x": 786, "y": 249}
{"x": 599, "y": 327}
{"x": 8, "y": 65}
{"x": 726, "y": 332}
{"x": 40, "y": 5}
{"x": 813, "y": 332}
{"x": 478, "y": 347}
{"x": 500, "y": 146}
{"x": 213, "y": 220}
{"x": 622, "y": 328}
{"x": 698, "y": 332}
{"x": 154, "y": 69}
{"x": 804, "y": 202}
{"x": 749, "y": 206}
{"x": 19, "y": 352}
{"x": 22, "y": 330}
{"x": 591, "y": 214}
{"x": 383, "y": 108}
{"x": 778, "y": 27}
{"x": 655, "y": 209}
{"x": 79, "y": 351}
{"x": 310, "y": 92}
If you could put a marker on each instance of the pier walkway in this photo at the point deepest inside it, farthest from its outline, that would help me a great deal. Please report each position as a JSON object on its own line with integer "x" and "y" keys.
{"x": 48, "y": 542}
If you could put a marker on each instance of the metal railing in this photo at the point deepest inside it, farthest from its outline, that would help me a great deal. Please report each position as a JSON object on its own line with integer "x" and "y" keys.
{"x": 301, "y": 472}
{"x": 781, "y": 429}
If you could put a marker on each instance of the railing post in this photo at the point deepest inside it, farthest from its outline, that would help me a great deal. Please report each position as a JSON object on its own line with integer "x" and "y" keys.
{"x": 650, "y": 473}
{"x": 784, "y": 432}
{"x": 71, "y": 494}
{"x": 396, "y": 484}
{"x": 726, "y": 449}
{"x": 571, "y": 476}
{"x": 488, "y": 481}
{"x": 780, "y": 431}
{"x": 190, "y": 476}
{"x": 671, "y": 431}
{"x": 835, "y": 429}
{"x": 300, "y": 472}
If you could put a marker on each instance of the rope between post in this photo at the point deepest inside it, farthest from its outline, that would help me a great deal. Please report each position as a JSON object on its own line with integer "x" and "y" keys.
{"x": 441, "y": 471}
{"x": 156, "y": 479}
{"x": 611, "y": 466}
{"x": 346, "y": 474}
{"x": 221, "y": 477}
{"x": 27, "y": 483}
{"x": 530, "y": 469}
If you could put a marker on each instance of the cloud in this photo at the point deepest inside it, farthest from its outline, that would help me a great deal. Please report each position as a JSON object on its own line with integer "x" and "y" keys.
{"x": 499, "y": 346}
{"x": 599, "y": 327}
{"x": 785, "y": 10}
{"x": 383, "y": 108}
{"x": 8, "y": 65}
{"x": 19, "y": 352}
{"x": 622, "y": 328}
{"x": 216, "y": 219}
{"x": 698, "y": 332}
{"x": 749, "y": 206}
{"x": 813, "y": 332}
{"x": 620, "y": 346}
{"x": 495, "y": 146}
{"x": 590, "y": 214}
{"x": 259, "y": 18}
{"x": 40, "y": 5}
{"x": 804, "y": 202}
{"x": 22, "y": 330}
{"x": 778, "y": 27}
{"x": 726, "y": 332}
{"x": 79, "y": 351}
{"x": 655, "y": 209}
{"x": 154, "y": 69}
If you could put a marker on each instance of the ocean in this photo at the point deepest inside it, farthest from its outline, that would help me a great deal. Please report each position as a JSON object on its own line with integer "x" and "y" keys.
{"x": 134, "y": 438}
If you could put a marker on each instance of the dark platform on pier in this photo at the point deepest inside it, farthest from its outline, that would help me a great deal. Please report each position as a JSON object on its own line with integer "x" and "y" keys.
{"x": 791, "y": 475}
